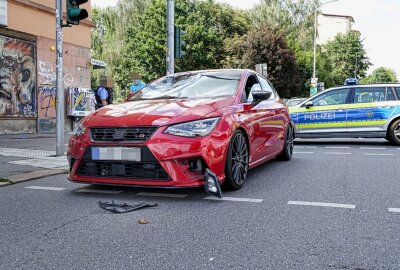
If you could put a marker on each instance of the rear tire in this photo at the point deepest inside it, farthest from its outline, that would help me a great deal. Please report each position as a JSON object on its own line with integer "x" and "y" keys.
{"x": 237, "y": 162}
{"x": 393, "y": 133}
{"x": 287, "y": 151}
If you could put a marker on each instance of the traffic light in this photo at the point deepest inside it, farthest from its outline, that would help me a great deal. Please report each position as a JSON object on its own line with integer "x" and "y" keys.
{"x": 180, "y": 44}
{"x": 74, "y": 13}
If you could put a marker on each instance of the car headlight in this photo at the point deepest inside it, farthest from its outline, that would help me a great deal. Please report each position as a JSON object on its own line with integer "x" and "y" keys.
{"x": 79, "y": 130}
{"x": 194, "y": 128}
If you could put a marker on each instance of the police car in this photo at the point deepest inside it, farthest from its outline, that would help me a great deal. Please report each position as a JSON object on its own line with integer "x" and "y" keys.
{"x": 350, "y": 111}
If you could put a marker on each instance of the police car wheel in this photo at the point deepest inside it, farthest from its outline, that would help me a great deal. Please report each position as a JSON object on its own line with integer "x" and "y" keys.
{"x": 394, "y": 132}
{"x": 287, "y": 151}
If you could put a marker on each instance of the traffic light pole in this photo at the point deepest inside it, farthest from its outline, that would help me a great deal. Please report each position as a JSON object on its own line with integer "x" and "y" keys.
{"x": 59, "y": 82}
{"x": 170, "y": 37}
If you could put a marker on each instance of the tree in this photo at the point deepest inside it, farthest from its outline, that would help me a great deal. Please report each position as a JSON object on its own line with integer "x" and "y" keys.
{"x": 266, "y": 44}
{"x": 208, "y": 25}
{"x": 110, "y": 37}
{"x": 347, "y": 57}
{"x": 381, "y": 75}
{"x": 294, "y": 17}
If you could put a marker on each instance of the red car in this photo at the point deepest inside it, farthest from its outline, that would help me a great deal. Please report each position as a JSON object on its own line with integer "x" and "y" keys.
{"x": 180, "y": 126}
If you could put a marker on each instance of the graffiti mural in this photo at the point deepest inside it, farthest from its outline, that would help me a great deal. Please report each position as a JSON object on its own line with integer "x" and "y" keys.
{"x": 17, "y": 78}
{"x": 47, "y": 102}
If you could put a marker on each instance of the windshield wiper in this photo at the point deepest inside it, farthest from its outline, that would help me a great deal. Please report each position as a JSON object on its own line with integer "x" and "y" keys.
{"x": 163, "y": 97}
{"x": 220, "y": 78}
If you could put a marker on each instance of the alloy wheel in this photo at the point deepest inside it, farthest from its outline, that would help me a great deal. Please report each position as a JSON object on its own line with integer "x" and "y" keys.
{"x": 239, "y": 159}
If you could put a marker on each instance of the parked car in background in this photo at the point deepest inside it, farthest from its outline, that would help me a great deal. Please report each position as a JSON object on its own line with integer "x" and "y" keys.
{"x": 358, "y": 110}
{"x": 172, "y": 130}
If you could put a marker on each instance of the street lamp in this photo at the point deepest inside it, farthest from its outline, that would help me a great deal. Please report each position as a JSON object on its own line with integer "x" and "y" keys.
{"x": 315, "y": 37}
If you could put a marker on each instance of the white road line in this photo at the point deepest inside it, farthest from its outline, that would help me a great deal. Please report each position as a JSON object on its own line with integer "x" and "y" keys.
{"x": 396, "y": 210}
{"x": 86, "y": 190}
{"x": 372, "y": 148}
{"x": 45, "y": 188}
{"x": 373, "y": 154}
{"x": 337, "y": 153}
{"x": 166, "y": 195}
{"x": 337, "y": 147}
{"x": 303, "y": 152}
{"x": 337, "y": 205}
{"x": 233, "y": 199}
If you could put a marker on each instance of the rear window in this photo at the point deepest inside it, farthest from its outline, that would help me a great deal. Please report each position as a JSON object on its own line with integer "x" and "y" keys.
{"x": 369, "y": 94}
{"x": 397, "y": 92}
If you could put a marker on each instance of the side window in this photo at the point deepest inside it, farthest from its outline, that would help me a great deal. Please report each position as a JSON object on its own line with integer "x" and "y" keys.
{"x": 251, "y": 80}
{"x": 369, "y": 94}
{"x": 397, "y": 89}
{"x": 334, "y": 97}
{"x": 389, "y": 94}
{"x": 267, "y": 86}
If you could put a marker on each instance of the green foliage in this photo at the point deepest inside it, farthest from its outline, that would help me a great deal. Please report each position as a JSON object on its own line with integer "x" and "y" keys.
{"x": 266, "y": 44}
{"x": 294, "y": 18}
{"x": 381, "y": 75}
{"x": 347, "y": 57}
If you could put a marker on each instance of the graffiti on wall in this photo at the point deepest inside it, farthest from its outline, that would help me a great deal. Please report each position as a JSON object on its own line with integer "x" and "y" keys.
{"x": 47, "y": 102}
{"x": 47, "y": 74}
{"x": 17, "y": 78}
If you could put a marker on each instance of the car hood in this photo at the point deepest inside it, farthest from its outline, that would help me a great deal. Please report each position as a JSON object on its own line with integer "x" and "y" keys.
{"x": 156, "y": 112}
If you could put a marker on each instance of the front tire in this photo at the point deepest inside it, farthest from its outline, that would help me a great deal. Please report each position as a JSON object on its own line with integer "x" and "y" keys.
{"x": 237, "y": 162}
{"x": 287, "y": 151}
{"x": 394, "y": 132}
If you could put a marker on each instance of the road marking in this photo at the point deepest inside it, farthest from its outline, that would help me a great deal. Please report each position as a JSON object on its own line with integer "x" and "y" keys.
{"x": 303, "y": 152}
{"x": 337, "y": 153}
{"x": 45, "y": 188}
{"x": 337, "y": 147}
{"x": 166, "y": 195}
{"x": 86, "y": 190}
{"x": 372, "y": 148}
{"x": 372, "y": 154}
{"x": 233, "y": 199}
{"x": 395, "y": 210}
{"x": 337, "y": 205}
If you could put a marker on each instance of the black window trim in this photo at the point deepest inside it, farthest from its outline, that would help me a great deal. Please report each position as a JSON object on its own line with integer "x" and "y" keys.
{"x": 348, "y": 98}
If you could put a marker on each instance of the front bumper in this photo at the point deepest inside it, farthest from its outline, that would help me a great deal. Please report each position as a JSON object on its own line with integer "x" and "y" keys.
{"x": 167, "y": 161}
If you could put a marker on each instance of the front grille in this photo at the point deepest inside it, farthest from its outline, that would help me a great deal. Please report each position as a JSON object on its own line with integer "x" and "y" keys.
{"x": 123, "y": 170}
{"x": 117, "y": 134}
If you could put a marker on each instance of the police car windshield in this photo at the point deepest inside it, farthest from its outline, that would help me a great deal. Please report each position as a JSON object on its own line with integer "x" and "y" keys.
{"x": 191, "y": 85}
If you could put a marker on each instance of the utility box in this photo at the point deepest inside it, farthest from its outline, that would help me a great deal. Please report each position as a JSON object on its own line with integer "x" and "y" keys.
{"x": 81, "y": 101}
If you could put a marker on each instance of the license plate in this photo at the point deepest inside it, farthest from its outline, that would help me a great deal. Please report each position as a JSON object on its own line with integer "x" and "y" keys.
{"x": 116, "y": 153}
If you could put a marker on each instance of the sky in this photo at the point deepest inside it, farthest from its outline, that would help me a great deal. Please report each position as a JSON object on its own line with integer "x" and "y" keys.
{"x": 377, "y": 20}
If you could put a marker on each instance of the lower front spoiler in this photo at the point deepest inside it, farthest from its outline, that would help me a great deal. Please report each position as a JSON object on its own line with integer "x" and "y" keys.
{"x": 137, "y": 185}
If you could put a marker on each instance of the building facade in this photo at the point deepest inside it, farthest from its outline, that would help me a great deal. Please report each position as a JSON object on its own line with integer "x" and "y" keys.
{"x": 330, "y": 25}
{"x": 28, "y": 64}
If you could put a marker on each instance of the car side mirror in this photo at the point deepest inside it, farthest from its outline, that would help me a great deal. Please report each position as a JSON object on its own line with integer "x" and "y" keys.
{"x": 308, "y": 104}
{"x": 260, "y": 95}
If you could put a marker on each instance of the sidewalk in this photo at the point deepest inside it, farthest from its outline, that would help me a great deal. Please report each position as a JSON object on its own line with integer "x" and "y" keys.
{"x": 26, "y": 157}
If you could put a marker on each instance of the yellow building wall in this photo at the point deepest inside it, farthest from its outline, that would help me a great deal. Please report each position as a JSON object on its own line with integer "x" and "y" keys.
{"x": 38, "y": 18}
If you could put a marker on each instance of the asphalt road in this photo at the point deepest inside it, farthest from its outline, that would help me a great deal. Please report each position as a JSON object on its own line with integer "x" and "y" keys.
{"x": 335, "y": 205}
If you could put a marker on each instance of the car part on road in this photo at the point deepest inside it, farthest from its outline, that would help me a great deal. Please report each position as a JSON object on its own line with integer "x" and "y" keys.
{"x": 211, "y": 184}
{"x": 120, "y": 208}
{"x": 237, "y": 161}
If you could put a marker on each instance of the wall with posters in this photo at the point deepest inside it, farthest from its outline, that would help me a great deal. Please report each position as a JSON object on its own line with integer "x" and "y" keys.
{"x": 17, "y": 78}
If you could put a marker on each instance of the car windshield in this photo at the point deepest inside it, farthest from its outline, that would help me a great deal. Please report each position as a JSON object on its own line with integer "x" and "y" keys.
{"x": 192, "y": 85}
{"x": 293, "y": 102}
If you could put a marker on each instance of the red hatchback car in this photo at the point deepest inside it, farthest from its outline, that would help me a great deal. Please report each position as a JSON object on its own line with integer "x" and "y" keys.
{"x": 177, "y": 127}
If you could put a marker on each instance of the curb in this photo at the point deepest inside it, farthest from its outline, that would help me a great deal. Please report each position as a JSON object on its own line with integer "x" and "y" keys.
{"x": 33, "y": 175}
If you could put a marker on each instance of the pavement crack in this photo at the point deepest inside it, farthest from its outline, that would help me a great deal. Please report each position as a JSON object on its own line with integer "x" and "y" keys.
{"x": 69, "y": 223}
